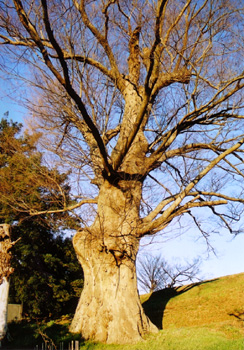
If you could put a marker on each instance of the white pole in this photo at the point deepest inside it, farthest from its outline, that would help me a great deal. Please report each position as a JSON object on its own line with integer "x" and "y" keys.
{"x": 4, "y": 290}
{"x": 5, "y": 272}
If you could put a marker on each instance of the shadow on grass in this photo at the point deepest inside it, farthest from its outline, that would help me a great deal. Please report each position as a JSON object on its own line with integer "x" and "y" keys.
{"x": 238, "y": 315}
{"x": 29, "y": 334}
{"x": 155, "y": 306}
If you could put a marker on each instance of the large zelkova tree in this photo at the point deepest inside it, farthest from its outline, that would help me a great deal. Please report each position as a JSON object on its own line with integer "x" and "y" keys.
{"x": 143, "y": 100}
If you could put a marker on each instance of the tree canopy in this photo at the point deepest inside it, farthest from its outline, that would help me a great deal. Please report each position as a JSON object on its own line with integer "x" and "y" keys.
{"x": 26, "y": 184}
{"x": 182, "y": 63}
{"x": 47, "y": 277}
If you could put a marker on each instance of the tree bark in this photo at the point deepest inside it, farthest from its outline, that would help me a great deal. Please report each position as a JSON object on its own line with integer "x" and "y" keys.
{"x": 109, "y": 309}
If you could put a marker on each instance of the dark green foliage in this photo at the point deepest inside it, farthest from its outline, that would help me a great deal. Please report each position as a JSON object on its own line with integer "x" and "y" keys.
{"x": 29, "y": 334}
{"x": 48, "y": 278}
{"x": 18, "y": 169}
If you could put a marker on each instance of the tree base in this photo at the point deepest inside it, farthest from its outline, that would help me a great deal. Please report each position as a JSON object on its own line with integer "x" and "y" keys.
{"x": 109, "y": 309}
{"x": 119, "y": 321}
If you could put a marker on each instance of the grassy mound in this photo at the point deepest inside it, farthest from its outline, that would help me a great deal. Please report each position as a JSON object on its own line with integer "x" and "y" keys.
{"x": 216, "y": 302}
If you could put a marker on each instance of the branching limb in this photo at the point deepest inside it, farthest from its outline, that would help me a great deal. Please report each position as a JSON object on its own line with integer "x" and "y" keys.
{"x": 216, "y": 194}
{"x": 90, "y": 61}
{"x": 134, "y": 57}
{"x": 102, "y": 40}
{"x": 108, "y": 135}
{"x": 192, "y": 119}
{"x": 150, "y": 225}
{"x": 64, "y": 80}
{"x": 65, "y": 209}
{"x": 156, "y": 49}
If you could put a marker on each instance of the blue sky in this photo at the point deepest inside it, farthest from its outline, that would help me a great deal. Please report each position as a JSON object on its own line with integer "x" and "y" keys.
{"x": 229, "y": 258}
{"x": 8, "y": 103}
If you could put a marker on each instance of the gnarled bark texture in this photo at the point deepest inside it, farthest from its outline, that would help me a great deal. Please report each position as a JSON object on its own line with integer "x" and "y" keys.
{"x": 107, "y": 252}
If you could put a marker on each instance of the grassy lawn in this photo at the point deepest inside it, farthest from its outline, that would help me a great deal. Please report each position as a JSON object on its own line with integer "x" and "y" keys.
{"x": 204, "y": 316}
{"x": 198, "y": 338}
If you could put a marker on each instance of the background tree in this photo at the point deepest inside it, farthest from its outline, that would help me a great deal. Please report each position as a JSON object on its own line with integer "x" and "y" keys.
{"x": 47, "y": 275}
{"x": 137, "y": 96}
{"x": 154, "y": 273}
{"x": 26, "y": 184}
{"x": 8, "y": 147}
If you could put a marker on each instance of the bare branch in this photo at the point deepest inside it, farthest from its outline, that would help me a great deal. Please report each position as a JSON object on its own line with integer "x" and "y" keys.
{"x": 65, "y": 209}
{"x": 102, "y": 41}
{"x": 147, "y": 225}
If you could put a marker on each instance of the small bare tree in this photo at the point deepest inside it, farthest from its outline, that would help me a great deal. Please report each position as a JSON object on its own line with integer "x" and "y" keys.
{"x": 143, "y": 100}
{"x": 154, "y": 273}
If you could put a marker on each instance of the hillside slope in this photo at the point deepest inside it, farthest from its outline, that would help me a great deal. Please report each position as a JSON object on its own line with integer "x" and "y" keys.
{"x": 218, "y": 302}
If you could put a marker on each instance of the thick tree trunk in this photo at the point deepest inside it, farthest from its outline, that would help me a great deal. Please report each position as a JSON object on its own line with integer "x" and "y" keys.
{"x": 109, "y": 309}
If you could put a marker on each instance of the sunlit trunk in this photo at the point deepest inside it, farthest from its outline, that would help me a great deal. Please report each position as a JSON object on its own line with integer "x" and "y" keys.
{"x": 109, "y": 309}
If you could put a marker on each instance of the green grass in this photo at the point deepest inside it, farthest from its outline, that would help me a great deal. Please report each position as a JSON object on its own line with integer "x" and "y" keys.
{"x": 214, "y": 302}
{"x": 204, "y": 316}
{"x": 178, "y": 339}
